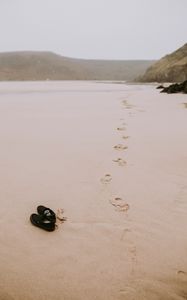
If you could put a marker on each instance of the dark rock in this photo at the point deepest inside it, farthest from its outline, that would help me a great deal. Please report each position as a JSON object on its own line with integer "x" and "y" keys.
{"x": 176, "y": 88}
{"x": 160, "y": 87}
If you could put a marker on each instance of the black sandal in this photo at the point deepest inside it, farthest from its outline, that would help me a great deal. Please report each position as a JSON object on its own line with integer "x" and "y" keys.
{"x": 41, "y": 222}
{"x": 47, "y": 213}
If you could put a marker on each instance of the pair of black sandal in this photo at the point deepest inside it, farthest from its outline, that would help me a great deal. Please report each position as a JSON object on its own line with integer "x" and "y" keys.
{"x": 45, "y": 219}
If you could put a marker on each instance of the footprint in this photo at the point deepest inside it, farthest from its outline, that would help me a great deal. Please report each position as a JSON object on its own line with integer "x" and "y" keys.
{"x": 127, "y": 105}
{"x": 59, "y": 215}
{"x": 120, "y": 147}
{"x": 131, "y": 114}
{"x": 124, "y": 233}
{"x": 121, "y": 162}
{"x": 106, "y": 179}
{"x": 133, "y": 253}
{"x": 121, "y": 128}
{"x": 180, "y": 272}
{"x": 120, "y": 204}
{"x": 129, "y": 292}
{"x": 125, "y": 137}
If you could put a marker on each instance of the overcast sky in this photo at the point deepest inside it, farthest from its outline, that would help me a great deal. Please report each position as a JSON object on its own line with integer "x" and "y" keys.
{"x": 106, "y": 29}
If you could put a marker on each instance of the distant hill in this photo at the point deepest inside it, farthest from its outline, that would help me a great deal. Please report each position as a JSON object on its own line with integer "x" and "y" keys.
{"x": 171, "y": 68}
{"x": 49, "y": 66}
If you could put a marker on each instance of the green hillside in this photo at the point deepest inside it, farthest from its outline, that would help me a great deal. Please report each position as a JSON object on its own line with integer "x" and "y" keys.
{"x": 171, "y": 68}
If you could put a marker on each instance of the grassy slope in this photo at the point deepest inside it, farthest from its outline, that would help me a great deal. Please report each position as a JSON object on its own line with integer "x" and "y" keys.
{"x": 171, "y": 68}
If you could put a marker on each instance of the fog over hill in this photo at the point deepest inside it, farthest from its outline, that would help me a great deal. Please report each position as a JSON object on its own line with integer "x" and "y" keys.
{"x": 31, "y": 65}
{"x": 170, "y": 68}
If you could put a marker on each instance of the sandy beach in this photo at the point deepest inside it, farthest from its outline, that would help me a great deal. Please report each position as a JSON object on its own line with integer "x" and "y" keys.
{"x": 114, "y": 157}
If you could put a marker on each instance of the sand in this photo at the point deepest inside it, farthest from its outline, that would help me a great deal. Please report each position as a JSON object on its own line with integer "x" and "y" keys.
{"x": 114, "y": 157}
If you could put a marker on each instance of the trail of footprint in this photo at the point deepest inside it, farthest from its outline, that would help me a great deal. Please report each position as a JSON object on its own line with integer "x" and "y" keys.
{"x": 106, "y": 179}
{"x": 120, "y": 204}
{"x": 120, "y": 147}
{"x": 121, "y": 162}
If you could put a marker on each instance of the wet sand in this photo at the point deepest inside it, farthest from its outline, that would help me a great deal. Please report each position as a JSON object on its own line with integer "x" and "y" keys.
{"x": 114, "y": 157}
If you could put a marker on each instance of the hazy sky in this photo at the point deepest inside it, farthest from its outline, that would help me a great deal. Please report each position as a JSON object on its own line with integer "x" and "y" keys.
{"x": 106, "y": 29}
